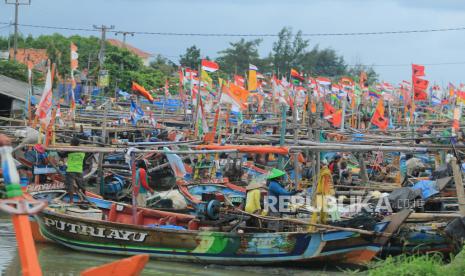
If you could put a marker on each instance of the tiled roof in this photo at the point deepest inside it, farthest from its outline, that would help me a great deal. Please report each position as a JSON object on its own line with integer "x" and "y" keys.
{"x": 37, "y": 56}
{"x": 134, "y": 50}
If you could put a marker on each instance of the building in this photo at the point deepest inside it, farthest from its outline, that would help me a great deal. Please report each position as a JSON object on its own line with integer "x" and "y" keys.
{"x": 13, "y": 95}
{"x": 37, "y": 56}
{"x": 138, "y": 52}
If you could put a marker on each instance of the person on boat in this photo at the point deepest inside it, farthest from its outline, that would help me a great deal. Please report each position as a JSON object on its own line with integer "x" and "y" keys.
{"x": 334, "y": 167}
{"x": 74, "y": 168}
{"x": 142, "y": 184}
{"x": 253, "y": 202}
{"x": 276, "y": 190}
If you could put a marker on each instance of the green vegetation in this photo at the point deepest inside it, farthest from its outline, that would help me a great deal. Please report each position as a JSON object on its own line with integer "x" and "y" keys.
{"x": 289, "y": 51}
{"x": 431, "y": 264}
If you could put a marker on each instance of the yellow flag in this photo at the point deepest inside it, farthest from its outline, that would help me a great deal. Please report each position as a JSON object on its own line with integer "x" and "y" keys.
{"x": 206, "y": 78}
{"x": 252, "y": 81}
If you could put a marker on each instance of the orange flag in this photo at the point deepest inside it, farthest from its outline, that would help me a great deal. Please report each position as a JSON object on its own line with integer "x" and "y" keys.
{"x": 378, "y": 118}
{"x": 139, "y": 88}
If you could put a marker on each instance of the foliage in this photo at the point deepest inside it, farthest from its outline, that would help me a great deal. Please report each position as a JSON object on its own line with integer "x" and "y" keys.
{"x": 191, "y": 58}
{"x": 431, "y": 264}
{"x": 358, "y": 68}
{"x": 287, "y": 52}
{"x": 236, "y": 58}
{"x": 16, "y": 70}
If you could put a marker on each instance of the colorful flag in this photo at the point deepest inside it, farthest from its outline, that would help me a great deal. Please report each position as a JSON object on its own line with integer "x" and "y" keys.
{"x": 138, "y": 88}
{"x": 373, "y": 92}
{"x": 378, "y": 118}
{"x": 209, "y": 66}
{"x": 202, "y": 125}
{"x": 456, "y": 119}
{"x": 235, "y": 95}
{"x": 44, "y": 107}
{"x": 460, "y": 97}
{"x": 167, "y": 89}
{"x": 74, "y": 57}
{"x": 176, "y": 163}
{"x": 296, "y": 75}
{"x": 418, "y": 70}
{"x": 252, "y": 81}
{"x": 136, "y": 112}
{"x": 206, "y": 78}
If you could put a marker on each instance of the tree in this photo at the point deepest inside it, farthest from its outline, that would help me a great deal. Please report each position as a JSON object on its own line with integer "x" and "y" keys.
{"x": 191, "y": 58}
{"x": 324, "y": 62}
{"x": 355, "y": 71}
{"x": 287, "y": 52}
{"x": 163, "y": 64}
{"x": 236, "y": 58}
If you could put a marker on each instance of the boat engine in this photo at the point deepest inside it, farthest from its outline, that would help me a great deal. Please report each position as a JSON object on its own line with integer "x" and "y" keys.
{"x": 208, "y": 210}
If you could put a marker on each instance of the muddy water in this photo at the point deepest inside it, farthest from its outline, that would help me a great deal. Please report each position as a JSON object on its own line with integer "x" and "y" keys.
{"x": 60, "y": 261}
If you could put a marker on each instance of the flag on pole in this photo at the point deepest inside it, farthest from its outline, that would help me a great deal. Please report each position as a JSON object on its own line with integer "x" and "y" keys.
{"x": 252, "y": 81}
{"x": 202, "y": 125}
{"x": 136, "y": 112}
{"x": 44, "y": 107}
{"x": 239, "y": 81}
{"x": 235, "y": 95}
{"x": 378, "y": 118}
{"x": 418, "y": 70}
{"x": 142, "y": 91}
{"x": 209, "y": 66}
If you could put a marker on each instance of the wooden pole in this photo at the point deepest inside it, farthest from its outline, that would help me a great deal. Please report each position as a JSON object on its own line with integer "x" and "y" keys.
{"x": 458, "y": 185}
{"x": 282, "y": 135}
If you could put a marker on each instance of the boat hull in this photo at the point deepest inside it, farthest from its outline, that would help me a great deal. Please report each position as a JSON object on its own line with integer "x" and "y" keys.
{"x": 206, "y": 247}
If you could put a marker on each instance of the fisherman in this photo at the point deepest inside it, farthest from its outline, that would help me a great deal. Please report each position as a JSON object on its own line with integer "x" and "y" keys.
{"x": 74, "y": 164}
{"x": 334, "y": 167}
{"x": 276, "y": 191}
{"x": 142, "y": 184}
{"x": 414, "y": 167}
{"x": 253, "y": 203}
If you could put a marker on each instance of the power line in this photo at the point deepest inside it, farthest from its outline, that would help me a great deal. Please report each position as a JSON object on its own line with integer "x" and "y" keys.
{"x": 407, "y": 64}
{"x": 253, "y": 35}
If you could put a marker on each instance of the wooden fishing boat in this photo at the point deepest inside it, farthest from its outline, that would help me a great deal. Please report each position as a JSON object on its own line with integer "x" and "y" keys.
{"x": 164, "y": 235}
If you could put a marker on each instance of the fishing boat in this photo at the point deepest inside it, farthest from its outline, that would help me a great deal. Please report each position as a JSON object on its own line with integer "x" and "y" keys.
{"x": 178, "y": 237}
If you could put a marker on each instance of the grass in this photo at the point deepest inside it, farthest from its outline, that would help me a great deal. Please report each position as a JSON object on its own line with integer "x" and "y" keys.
{"x": 430, "y": 264}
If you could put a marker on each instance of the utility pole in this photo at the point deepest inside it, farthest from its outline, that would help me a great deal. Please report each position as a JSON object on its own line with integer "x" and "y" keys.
{"x": 124, "y": 43}
{"x": 101, "y": 55}
{"x": 16, "y": 3}
{"x": 124, "y": 36}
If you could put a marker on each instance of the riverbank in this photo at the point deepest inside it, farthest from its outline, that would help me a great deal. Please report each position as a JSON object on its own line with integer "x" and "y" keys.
{"x": 432, "y": 264}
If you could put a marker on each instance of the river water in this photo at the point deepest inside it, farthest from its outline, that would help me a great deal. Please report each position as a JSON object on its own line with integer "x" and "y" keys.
{"x": 60, "y": 261}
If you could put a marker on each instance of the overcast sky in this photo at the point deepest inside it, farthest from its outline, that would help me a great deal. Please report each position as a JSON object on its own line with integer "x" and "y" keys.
{"x": 269, "y": 16}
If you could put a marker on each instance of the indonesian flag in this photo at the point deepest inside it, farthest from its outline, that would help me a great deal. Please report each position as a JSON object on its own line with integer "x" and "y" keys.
{"x": 209, "y": 66}
{"x": 323, "y": 81}
{"x": 74, "y": 56}
{"x": 44, "y": 108}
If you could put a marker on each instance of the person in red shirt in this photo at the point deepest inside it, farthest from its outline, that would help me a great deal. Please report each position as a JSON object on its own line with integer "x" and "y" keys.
{"x": 142, "y": 184}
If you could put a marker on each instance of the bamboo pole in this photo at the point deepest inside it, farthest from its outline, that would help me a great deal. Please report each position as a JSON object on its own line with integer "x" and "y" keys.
{"x": 458, "y": 185}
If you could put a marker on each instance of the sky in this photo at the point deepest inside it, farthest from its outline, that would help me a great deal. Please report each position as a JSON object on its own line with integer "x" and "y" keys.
{"x": 269, "y": 16}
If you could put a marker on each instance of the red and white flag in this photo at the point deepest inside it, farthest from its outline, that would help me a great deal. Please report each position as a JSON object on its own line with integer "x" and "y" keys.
{"x": 44, "y": 108}
{"x": 74, "y": 56}
{"x": 209, "y": 66}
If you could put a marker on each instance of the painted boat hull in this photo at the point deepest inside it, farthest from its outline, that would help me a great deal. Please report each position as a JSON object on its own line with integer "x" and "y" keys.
{"x": 207, "y": 247}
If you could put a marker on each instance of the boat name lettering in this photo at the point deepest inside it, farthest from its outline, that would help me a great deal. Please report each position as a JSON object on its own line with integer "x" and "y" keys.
{"x": 100, "y": 232}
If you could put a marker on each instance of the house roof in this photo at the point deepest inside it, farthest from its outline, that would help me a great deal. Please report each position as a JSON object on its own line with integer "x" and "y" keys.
{"x": 134, "y": 50}
{"x": 14, "y": 88}
{"x": 37, "y": 56}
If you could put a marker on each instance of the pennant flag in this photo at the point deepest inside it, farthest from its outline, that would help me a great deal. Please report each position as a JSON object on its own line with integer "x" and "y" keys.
{"x": 418, "y": 70}
{"x": 209, "y": 66}
{"x": 202, "y": 125}
{"x": 136, "y": 112}
{"x": 74, "y": 56}
{"x": 296, "y": 75}
{"x": 138, "y": 88}
{"x": 176, "y": 163}
{"x": 456, "y": 119}
{"x": 252, "y": 81}
{"x": 44, "y": 108}
{"x": 167, "y": 89}
{"x": 378, "y": 118}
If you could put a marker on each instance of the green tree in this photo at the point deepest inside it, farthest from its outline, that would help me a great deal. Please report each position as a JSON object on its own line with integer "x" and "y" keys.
{"x": 355, "y": 71}
{"x": 163, "y": 64}
{"x": 236, "y": 58}
{"x": 191, "y": 58}
{"x": 324, "y": 62}
{"x": 288, "y": 51}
